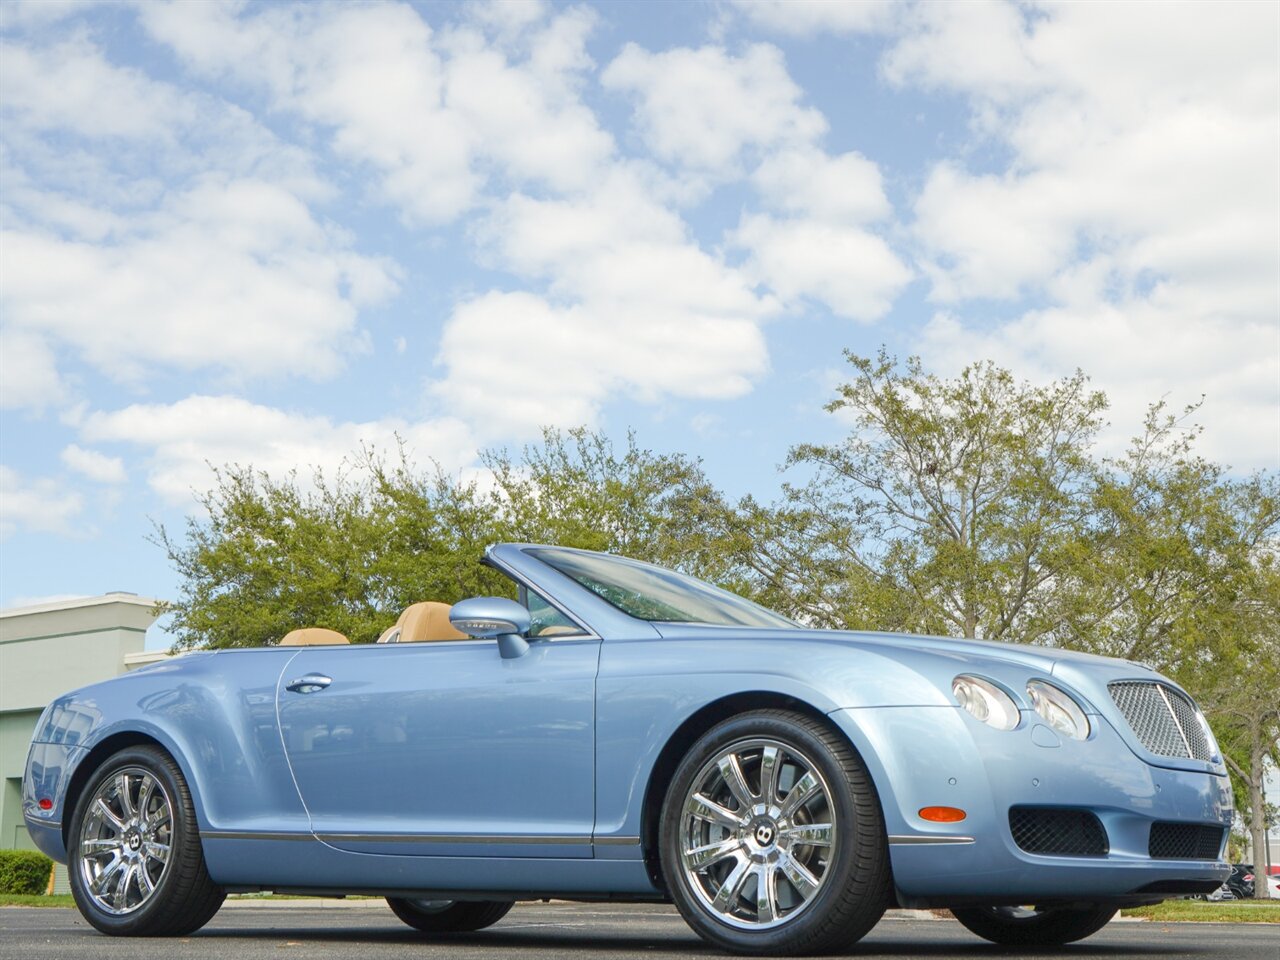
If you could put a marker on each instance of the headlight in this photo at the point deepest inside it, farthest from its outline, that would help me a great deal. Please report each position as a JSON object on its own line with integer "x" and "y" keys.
{"x": 1058, "y": 710}
{"x": 986, "y": 702}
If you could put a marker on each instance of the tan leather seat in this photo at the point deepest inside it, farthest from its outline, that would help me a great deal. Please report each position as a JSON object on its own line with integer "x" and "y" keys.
{"x": 312, "y": 637}
{"x": 559, "y": 630}
{"x": 428, "y": 622}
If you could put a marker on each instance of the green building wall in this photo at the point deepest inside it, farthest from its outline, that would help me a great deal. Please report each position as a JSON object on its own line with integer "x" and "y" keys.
{"x": 45, "y": 651}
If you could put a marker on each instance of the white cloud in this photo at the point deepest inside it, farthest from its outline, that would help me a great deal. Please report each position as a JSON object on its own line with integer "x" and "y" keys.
{"x": 849, "y": 269}
{"x": 527, "y": 117}
{"x": 429, "y": 113}
{"x": 28, "y": 374}
{"x": 71, "y": 86}
{"x": 1131, "y": 350}
{"x": 182, "y": 439}
{"x": 96, "y": 466}
{"x": 703, "y": 108}
{"x": 38, "y": 13}
{"x": 157, "y": 131}
{"x": 367, "y": 73}
{"x": 39, "y": 506}
{"x": 847, "y": 188}
{"x": 633, "y": 306}
{"x": 1137, "y": 211}
{"x": 976, "y": 47}
{"x": 805, "y": 18}
{"x": 234, "y": 276}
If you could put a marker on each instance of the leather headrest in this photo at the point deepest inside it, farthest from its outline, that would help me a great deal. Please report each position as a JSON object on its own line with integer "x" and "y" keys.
{"x": 312, "y": 637}
{"x": 427, "y": 622}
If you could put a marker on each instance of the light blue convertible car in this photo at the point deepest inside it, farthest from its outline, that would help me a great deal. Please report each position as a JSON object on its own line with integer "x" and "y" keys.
{"x": 626, "y": 733}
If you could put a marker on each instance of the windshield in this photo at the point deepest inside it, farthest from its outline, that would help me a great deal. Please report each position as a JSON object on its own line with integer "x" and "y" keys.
{"x": 646, "y": 592}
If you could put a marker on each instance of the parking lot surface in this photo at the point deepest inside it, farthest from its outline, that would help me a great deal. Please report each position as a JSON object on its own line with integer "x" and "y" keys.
{"x": 368, "y": 930}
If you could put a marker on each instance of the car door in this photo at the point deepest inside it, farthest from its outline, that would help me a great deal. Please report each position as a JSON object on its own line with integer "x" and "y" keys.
{"x": 445, "y": 748}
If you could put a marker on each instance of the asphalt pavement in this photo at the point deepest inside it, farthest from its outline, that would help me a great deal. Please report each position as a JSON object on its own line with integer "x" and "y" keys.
{"x": 367, "y": 930}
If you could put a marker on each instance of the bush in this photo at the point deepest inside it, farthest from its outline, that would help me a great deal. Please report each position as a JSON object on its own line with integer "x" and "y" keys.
{"x": 24, "y": 872}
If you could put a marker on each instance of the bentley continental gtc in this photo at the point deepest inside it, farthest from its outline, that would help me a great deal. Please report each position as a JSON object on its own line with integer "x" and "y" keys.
{"x": 623, "y": 732}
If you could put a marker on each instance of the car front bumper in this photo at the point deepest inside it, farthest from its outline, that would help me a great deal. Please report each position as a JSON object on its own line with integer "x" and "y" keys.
{"x": 939, "y": 756}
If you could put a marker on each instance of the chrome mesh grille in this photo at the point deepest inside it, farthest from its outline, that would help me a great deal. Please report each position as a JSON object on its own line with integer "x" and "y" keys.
{"x": 1162, "y": 717}
{"x": 1185, "y": 713}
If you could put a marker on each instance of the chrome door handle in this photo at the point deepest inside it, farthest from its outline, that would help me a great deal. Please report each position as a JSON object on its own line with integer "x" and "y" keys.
{"x": 311, "y": 683}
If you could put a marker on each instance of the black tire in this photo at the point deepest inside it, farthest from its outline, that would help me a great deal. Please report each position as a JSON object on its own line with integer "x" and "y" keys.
{"x": 451, "y": 916}
{"x": 855, "y": 887}
{"x": 184, "y": 898}
{"x": 1050, "y": 927}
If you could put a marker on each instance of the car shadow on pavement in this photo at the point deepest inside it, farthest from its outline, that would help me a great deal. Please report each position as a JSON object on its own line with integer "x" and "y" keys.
{"x": 685, "y": 943}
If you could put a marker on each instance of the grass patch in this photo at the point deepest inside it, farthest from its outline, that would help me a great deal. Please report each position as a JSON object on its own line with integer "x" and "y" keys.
{"x": 36, "y": 900}
{"x": 1230, "y": 911}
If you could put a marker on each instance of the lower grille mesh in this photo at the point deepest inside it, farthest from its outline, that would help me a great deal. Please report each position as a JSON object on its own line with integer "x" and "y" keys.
{"x": 1184, "y": 841}
{"x": 1058, "y": 831}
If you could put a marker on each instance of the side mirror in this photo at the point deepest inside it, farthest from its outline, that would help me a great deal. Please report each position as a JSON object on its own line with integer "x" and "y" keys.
{"x": 488, "y": 617}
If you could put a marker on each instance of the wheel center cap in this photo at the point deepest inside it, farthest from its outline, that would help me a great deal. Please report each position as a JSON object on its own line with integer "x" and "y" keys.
{"x": 135, "y": 842}
{"x": 765, "y": 833}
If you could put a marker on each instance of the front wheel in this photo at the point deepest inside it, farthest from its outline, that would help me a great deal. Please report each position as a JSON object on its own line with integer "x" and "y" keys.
{"x": 772, "y": 838}
{"x": 449, "y": 916}
{"x": 136, "y": 865}
{"x": 1034, "y": 927}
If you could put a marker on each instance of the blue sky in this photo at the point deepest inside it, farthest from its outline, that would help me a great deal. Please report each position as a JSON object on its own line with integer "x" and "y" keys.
{"x": 268, "y": 233}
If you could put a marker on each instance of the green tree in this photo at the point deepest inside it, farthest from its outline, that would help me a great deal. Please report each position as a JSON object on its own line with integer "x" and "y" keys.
{"x": 576, "y": 490}
{"x": 350, "y": 551}
{"x": 269, "y": 555}
{"x": 952, "y": 506}
{"x": 1173, "y": 543}
{"x": 1240, "y": 693}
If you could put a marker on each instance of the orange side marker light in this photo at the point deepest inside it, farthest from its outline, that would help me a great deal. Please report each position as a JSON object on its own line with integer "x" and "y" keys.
{"x": 942, "y": 814}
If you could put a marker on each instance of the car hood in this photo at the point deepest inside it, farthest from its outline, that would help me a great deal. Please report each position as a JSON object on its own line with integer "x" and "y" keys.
{"x": 941, "y": 658}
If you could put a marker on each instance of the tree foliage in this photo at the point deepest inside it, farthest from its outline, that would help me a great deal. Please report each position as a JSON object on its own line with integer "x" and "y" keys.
{"x": 952, "y": 506}
{"x": 349, "y": 552}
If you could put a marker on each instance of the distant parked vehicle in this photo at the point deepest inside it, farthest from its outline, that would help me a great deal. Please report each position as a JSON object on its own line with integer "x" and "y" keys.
{"x": 1241, "y": 881}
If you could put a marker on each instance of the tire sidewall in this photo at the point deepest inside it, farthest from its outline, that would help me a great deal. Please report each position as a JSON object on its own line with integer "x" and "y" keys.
{"x": 182, "y": 833}
{"x": 843, "y": 862}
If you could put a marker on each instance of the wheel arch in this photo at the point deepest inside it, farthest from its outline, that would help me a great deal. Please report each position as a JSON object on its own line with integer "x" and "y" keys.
{"x": 687, "y": 733}
{"x": 100, "y": 753}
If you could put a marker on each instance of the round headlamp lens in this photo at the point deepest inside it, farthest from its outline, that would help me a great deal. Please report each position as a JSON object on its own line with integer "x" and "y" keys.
{"x": 1058, "y": 710}
{"x": 985, "y": 701}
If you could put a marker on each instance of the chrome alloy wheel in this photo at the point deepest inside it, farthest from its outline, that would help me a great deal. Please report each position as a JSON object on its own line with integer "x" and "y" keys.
{"x": 125, "y": 841}
{"x": 757, "y": 834}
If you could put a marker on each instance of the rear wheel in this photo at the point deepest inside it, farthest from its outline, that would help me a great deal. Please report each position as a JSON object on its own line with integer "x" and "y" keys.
{"x": 772, "y": 838}
{"x": 1031, "y": 927}
{"x": 136, "y": 865}
{"x": 449, "y": 916}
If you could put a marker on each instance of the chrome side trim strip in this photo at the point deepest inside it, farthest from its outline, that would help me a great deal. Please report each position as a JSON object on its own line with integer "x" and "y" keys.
{"x": 617, "y": 841}
{"x": 447, "y": 838}
{"x": 923, "y": 838}
{"x": 401, "y": 838}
